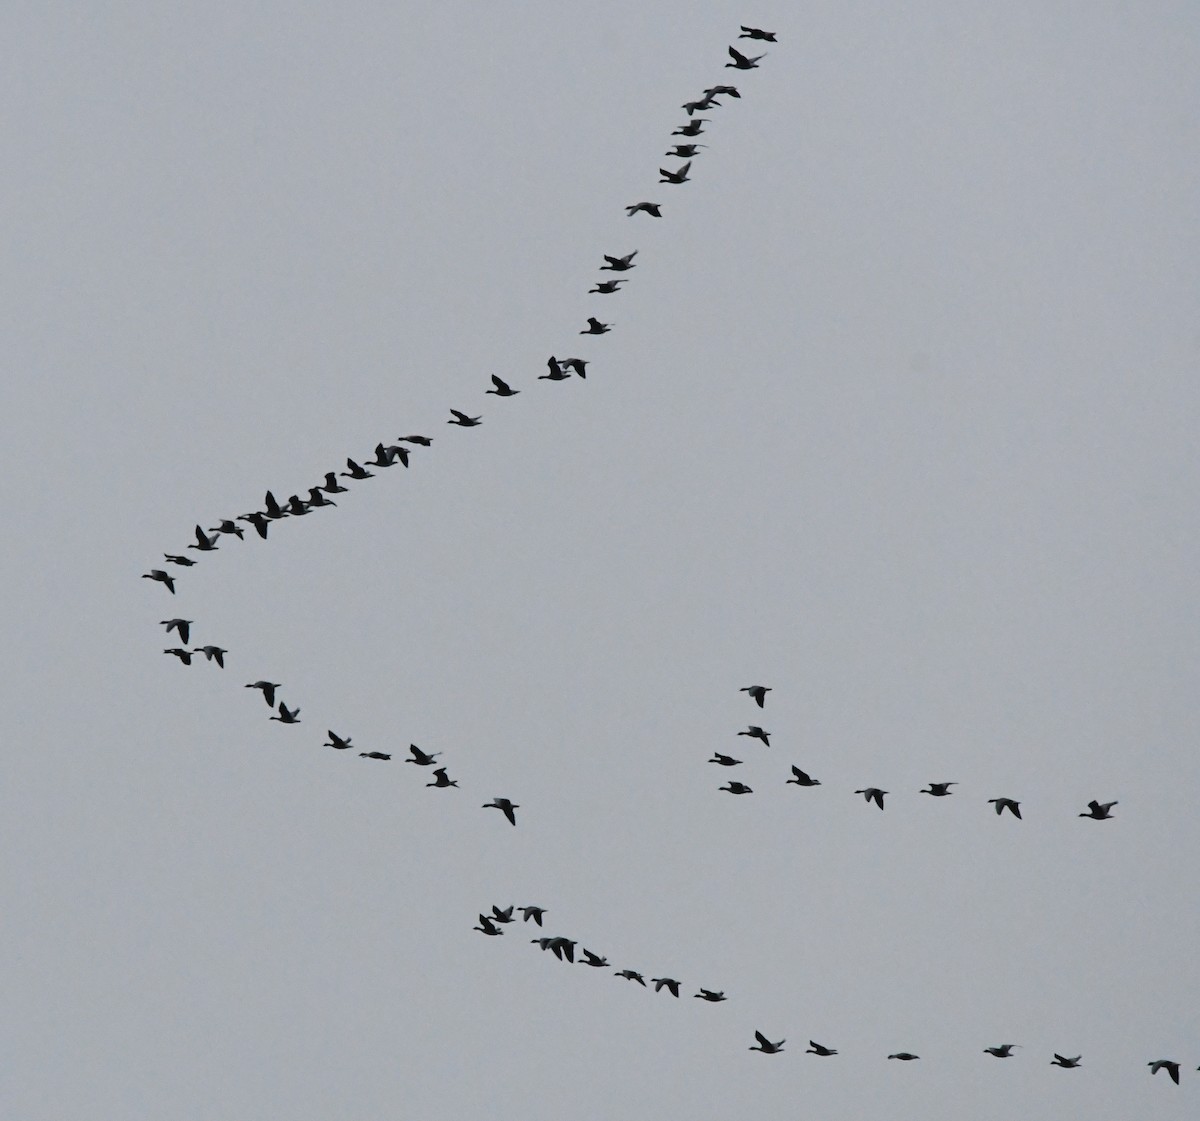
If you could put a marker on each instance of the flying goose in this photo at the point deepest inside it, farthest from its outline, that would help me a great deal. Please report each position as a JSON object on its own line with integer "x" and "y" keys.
{"x": 803, "y": 779}
{"x": 259, "y": 520}
{"x": 464, "y": 421}
{"x": 717, "y": 91}
{"x": 654, "y": 209}
{"x": 938, "y": 789}
{"x": 332, "y": 486}
{"x": 873, "y": 794}
{"x": 1068, "y": 1064}
{"x": 185, "y": 656}
{"x": 724, "y": 760}
{"x": 212, "y": 653}
{"x": 162, "y": 577}
{"x": 486, "y": 926}
{"x": 383, "y": 457}
{"x": 557, "y": 373}
{"x": 296, "y": 506}
{"x": 274, "y": 510}
{"x": 441, "y": 778}
{"x": 356, "y": 471}
{"x": 737, "y": 788}
{"x": 268, "y": 690}
{"x": 607, "y": 287}
{"x": 694, "y": 107}
{"x": 1099, "y": 811}
{"x": 668, "y": 983}
{"x": 619, "y": 264}
{"x": 183, "y": 626}
{"x": 579, "y": 365}
{"x": 424, "y": 441}
{"x": 502, "y": 915}
{"x": 815, "y": 1048}
{"x": 631, "y": 975}
{"x": 708, "y": 994}
{"x": 502, "y": 388}
{"x": 374, "y": 755}
{"x": 337, "y": 743}
{"x": 1003, "y": 804}
{"x": 1004, "y": 1051}
{"x": 904, "y": 1056}
{"x": 758, "y": 693}
{"x": 287, "y": 715}
{"x": 505, "y": 805}
{"x": 595, "y": 327}
{"x": 692, "y": 128}
{"x": 594, "y": 960}
{"x": 757, "y": 33}
{"x": 421, "y": 758}
{"x": 741, "y": 62}
{"x": 679, "y": 175}
{"x": 317, "y": 497}
{"x": 766, "y": 1046}
{"x": 228, "y": 526}
{"x": 563, "y": 949}
{"x": 204, "y": 543}
{"x": 756, "y": 733}
{"x": 183, "y": 562}
{"x": 1169, "y": 1065}
{"x": 685, "y": 151}
{"x": 531, "y": 912}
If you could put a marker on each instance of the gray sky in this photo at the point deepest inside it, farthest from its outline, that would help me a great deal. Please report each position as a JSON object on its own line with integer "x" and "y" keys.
{"x": 898, "y": 416}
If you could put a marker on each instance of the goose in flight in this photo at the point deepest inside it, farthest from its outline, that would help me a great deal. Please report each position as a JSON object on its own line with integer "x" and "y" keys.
{"x": 803, "y": 779}
{"x": 268, "y": 690}
{"x": 332, "y": 486}
{"x": 487, "y": 926}
{"x": 356, "y": 471}
{"x": 441, "y": 778}
{"x": 654, "y": 209}
{"x": 424, "y": 441}
{"x": 382, "y": 458}
{"x": 679, "y": 175}
{"x": 594, "y": 960}
{"x": 228, "y": 526}
{"x": 185, "y": 656}
{"x": 317, "y": 497}
{"x": 502, "y": 915}
{"x": 258, "y": 520}
{"x": 1099, "y": 811}
{"x": 1004, "y": 1051}
{"x": 758, "y": 693}
{"x": 421, "y": 758}
{"x": 502, "y": 388}
{"x": 939, "y": 789}
{"x": 756, "y": 733}
{"x": 685, "y": 151}
{"x": 904, "y": 1056}
{"x": 1169, "y": 1065}
{"x": 631, "y": 975}
{"x": 183, "y": 626}
{"x": 505, "y": 805}
{"x": 608, "y": 287}
{"x": 766, "y": 1046}
{"x": 296, "y": 506}
{"x": 397, "y": 452}
{"x": 724, "y": 760}
{"x": 595, "y": 327}
{"x": 815, "y": 1048}
{"x": 737, "y": 788}
{"x": 741, "y": 62}
{"x": 717, "y": 91}
{"x": 692, "y": 128}
{"x": 694, "y": 107}
{"x": 212, "y": 653}
{"x": 174, "y": 558}
{"x": 287, "y": 715}
{"x": 531, "y": 912}
{"x": 1068, "y": 1064}
{"x": 274, "y": 511}
{"x": 619, "y": 264}
{"x": 757, "y": 33}
{"x": 374, "y": 755}
{"x": 162, "y": 577}
{"x": 1003, "y": 804}
{"x": 557, "y": 373}
{"x": 668, "y": 983}
{"x": 204, "y": 543}
{"x": 579, "y": 365}
{"x": 873, "y": 794}
{"x": 562, "y": 948}
{"x": 708, "y": 994}
{"x": 337, "y": 743}
{"x": 464, "y": 421}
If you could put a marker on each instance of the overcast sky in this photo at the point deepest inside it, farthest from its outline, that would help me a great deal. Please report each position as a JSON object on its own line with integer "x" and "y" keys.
{"x": 898, "y": 416}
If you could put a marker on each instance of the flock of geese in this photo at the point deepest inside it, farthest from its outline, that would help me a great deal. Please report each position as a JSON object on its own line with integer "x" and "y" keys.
{"x": 398, "y": 451}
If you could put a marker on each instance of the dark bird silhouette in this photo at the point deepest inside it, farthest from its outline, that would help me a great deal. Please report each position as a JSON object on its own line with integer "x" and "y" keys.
{"x": 608, "y": 287}
{"x": 424, "y": 441}
{"x": 873, "y": 794}
{"x": 1169, "y": 1065}
{"x": 464, "y": 421}
{"x": 487, "y": 926}
{"x": 337, "y": 743}
{"x": 758, "y": 693}
{"x": 766, "y": 1046}
{"x": 619, "y": 264}
{"x": 694, "y": 107}
{"x": 258, "y": 520}
{"x": 802, "y": 779}
{"x": 502, "y": 388}
{"x": 718, "y": 91}
{"x": 317, "y": 497}
{"x": 724, "y": 760}
{"x": 556, "y": 372}
{"x": 213, "y": 654}
{"x": 374, "y": 755}
{"x": 815, "y": 1048}
{"x": 441, "y": 778}
{"x": 757, "y": 33}
{"x": 274, "y": 510}
{"x": 631, "y": 975}
{"x": 668, "y": 983}
{"x": 173, "y": 558}
{"x": 595, "y": 327}
{"x": 562, "y": 948}
{"x": 939, "y": 789}
{"x": 679, "y": 175}
{"x": 654, "y": 209}
{"x": 204, "y": 543}
{"x": 185, "y": 656}
{"x": 1099, "y": 811}
{"x": 502, "y": 915}
{"x": 383, "y": 457}
{"x": 1003, "y": 804}
{"x": 736, "y": 788}
{"x": 904, "y": 1056}
{"x": 685, "y": 151}
{"x": 268, "y": 690}
{"x": 1068, "y": 1064}
{"x": 1004, "y": 1051}
{"x": 708, "y": 994}
{"x": 421, "y": 758}
{"x": 505, "y": 805}
{"x": 332, "y": 486}
{"x": 162, "y": 577}
{"x": 356, "y": 471}
{"x": 228, "y": 526}
{"x": 579, "y": 365}
{"x": 287, "y": 715}
{"x": 756, "y": 733}
{"x": 692, "y": 128}
{"x": 182, "y": 626}
{"x": 741, "y": 62}
{"x": 594, "y": 960}
{"x": 296, "y": 506}
{"x": 531, "y": 912}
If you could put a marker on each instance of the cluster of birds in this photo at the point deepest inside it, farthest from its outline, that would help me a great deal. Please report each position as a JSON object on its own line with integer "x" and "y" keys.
{"x": 564, "y": 949}
{"x": 398, "y": 452}
{"x": 1097, "y": 811}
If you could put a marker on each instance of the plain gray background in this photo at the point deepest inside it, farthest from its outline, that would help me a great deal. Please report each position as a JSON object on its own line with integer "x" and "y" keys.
{"x": 898, "y": 416}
